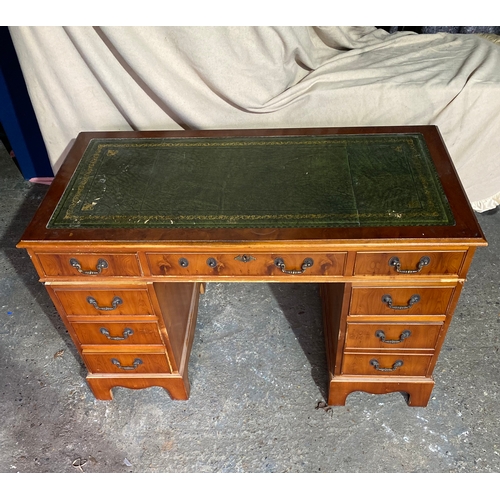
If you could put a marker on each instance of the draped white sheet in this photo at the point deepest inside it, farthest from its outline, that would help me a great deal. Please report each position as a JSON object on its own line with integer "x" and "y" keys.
{"x": 151, "y": 78}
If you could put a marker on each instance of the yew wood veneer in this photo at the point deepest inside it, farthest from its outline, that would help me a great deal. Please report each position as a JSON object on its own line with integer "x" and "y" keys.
{"x": 135, "y": 223}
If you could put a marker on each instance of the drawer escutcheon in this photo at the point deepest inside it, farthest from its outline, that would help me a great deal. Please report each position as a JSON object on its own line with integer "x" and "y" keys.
{"x": 245, "y": 258}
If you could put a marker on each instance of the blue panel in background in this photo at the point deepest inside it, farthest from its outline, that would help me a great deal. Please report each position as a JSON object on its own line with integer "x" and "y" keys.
{"x": 17, "y": 117}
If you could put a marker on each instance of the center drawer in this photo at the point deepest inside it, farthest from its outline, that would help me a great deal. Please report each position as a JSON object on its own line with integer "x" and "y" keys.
{"x": 247, "y": 264}
{"x": 98, "y": 301}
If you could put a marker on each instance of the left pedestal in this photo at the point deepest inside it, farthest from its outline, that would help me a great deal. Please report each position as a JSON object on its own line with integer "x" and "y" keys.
{"x": 129, "y": 333}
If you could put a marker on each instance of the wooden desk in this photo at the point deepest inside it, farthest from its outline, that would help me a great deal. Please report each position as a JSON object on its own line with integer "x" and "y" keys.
{"x": 125, "y": 242}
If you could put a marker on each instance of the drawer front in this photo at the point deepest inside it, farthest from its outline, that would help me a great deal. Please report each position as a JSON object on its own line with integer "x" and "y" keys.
{"x": 400, "y": 300}
{"x": 118, "y": 334}
{"x": 405, "y": 263}
{"x": 89, "y": 265}
{"x": 391, "y": 336}
{"x": 251, "y": 264}
{"x": 105, "y": 302}
{"x": 128, "y": 363}
{"x": 386, "y": 364}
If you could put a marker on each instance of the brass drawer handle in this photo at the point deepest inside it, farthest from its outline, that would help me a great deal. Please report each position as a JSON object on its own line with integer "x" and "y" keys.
{"x": 395, "y": 366}
{"x": 114, "y": 304}
{"x": 280, "y": 263}
{"x": 134, "y": 366}
{"x": 388, "y": 300}
{"x": 101, "y": 264}
{"x": 380, "y": 334}
{"x": 125, "y": 335}
{"x": 394, "y": 262}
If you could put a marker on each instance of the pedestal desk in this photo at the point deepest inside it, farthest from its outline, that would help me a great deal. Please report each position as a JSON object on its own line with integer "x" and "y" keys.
{"x": 135, "y": 223}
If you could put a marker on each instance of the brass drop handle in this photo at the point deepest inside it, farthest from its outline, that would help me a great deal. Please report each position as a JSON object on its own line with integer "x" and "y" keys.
{"x": 101, "y": 264}
{"x": 380, "y": 334}
{"x": 395, "y": 366}
{"x": 387, "y": 299}
{"x": 134, "y": 365}
{"x": 125, "y": 335}
{"x": 394, "y": 262}
{"x": 280, "y": 263}
{"x": 114, "y": 304}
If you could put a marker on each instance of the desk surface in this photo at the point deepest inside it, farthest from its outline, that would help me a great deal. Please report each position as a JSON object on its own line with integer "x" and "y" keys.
{"x": 253, "y": 185}
{"x": 294, "y": 181}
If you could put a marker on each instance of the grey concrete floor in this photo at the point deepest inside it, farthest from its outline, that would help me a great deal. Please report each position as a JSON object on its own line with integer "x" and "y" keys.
{"x": 257, "y": 371}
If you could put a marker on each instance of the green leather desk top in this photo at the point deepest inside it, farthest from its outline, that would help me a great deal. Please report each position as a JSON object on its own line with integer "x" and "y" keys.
{"x": 289, "y": 181}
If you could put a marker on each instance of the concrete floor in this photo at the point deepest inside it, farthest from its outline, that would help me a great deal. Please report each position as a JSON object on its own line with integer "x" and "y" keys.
{"x": 257, "y": 371}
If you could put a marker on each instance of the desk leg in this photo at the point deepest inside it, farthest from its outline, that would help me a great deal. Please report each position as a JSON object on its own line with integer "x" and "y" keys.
{"x": 175, "y": 385}
{"x": 418, "y": 390}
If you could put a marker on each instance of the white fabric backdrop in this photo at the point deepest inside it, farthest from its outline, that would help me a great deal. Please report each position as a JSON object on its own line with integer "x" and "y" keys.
{"x": 151, "y": 78}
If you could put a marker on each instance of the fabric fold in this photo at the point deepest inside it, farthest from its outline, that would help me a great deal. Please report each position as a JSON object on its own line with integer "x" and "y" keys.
{"x": 146, "y": 78}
